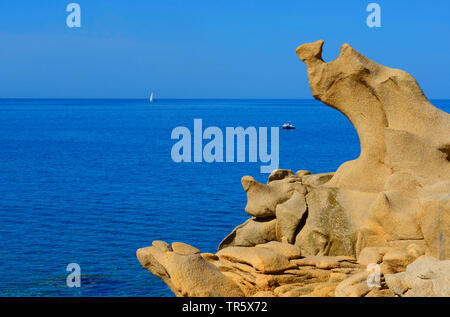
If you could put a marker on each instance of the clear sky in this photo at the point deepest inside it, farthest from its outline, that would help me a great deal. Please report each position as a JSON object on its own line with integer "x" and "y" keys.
{"x": 208, "y": 48}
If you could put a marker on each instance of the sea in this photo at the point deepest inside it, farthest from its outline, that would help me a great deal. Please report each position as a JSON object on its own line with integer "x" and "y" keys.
{"x": 91, "y": 181}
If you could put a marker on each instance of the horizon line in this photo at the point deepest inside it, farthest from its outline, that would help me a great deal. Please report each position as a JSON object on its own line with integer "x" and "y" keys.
{"x": 197, "y": 98}
{"x": 132, "y": 98}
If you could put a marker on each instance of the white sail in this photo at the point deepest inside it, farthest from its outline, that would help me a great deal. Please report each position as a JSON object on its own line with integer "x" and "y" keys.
{"x": 151, "y": 97}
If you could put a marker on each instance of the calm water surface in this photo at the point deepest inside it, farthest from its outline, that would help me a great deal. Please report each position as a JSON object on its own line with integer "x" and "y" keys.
{"x": 90, "y": 181}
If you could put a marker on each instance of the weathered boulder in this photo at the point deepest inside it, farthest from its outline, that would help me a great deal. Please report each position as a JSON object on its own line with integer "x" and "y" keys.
{"x": 262, "y": 199}
{"x": 184, "y": 249}
{"x": 251, "y": 233}
{"x": 288, "y": 250}
{"x": 289, "y": 215}
{"x": 264, "y": 260}
{"x": 185, "y": 271}
{"x": 279, "y": 174}
{"x": 426, "y": 276}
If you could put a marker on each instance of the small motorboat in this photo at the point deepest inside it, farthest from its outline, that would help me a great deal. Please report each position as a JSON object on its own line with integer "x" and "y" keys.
{"x": 288, "y": 126}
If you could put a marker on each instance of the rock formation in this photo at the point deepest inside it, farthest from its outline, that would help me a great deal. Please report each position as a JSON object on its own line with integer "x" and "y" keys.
{"x": 322, "y": 234}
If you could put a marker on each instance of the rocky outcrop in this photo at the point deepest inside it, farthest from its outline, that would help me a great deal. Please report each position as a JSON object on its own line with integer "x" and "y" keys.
{"x": 325, "y": 234}
{"x": 398, "y": 188}
{"x": 185, "y": 271}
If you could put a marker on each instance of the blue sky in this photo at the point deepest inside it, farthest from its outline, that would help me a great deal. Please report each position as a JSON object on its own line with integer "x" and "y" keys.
{"x": 208, "y": 48}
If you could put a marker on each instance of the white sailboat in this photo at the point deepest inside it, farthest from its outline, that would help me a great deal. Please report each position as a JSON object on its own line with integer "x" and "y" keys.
{"x": 151, "y": 97}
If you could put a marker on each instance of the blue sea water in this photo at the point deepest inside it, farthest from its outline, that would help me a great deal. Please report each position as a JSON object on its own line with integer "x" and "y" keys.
{"x": 90, "y": 181}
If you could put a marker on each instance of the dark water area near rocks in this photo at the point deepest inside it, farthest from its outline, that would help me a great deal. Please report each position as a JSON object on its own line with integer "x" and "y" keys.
{"x": 91, "y": 181}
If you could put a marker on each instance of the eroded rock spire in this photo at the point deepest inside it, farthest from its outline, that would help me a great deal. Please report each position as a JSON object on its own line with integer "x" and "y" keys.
{"x": 398, "y": 128}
